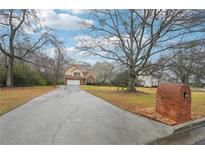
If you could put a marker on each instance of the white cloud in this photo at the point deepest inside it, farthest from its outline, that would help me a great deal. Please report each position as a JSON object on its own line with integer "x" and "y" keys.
{"x": 64, "y": 21}
{"x": 79, "y": 56}
{"x": 73, "y": 51}
{"x": 89, "y": 41}
{"x": 79, "y": 11}
{"x": 70, "y": 50}
{"x": 112, "y": 41}
{"x": 91, "y": 61}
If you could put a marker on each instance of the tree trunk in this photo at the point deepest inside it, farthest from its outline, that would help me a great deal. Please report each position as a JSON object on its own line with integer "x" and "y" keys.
{"x": 185, "y": 80}
{"x": 197, "y": 81}
{"x": 9, "y": 76}
{"x": 55, "y": 77}
{"x": 104, "y": 79}
{"x": 132, "y": 77}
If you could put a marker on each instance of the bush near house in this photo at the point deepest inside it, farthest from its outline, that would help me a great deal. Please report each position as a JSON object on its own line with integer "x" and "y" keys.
{"x": 2, "y": 76}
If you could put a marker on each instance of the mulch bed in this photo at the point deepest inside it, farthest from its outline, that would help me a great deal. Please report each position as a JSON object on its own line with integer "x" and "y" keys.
{"x": 150, "y": 113}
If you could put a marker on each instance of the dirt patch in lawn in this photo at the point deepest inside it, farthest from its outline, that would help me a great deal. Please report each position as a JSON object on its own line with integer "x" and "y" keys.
{"x": 125, "y": 92}
{"x": 143, "y": 102}
{"x": 11, "y": 98}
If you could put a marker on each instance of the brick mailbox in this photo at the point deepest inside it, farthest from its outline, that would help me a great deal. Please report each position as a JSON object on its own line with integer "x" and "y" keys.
{"x": 174, "y": 101}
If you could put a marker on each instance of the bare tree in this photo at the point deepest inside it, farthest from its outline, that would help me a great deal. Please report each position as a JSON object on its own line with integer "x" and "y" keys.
{"x": 182, "y": 66}
{"x": 15, "y": 26}
{"x": 60, "y": 58}
{"x": 186, "y": 64}
{"x": 199, "y": 71}
{"x": 133, "y": 37}
{"x": 104, "y": 72}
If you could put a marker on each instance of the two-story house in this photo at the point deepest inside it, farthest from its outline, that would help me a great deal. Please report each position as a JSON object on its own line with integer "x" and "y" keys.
{"x": 79, "y": 75}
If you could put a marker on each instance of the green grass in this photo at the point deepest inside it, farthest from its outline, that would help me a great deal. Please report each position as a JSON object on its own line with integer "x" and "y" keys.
{"x": 145, "y": 98}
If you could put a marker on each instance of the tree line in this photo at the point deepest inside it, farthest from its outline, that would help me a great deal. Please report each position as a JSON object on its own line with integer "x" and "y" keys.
{"x": 187, "y": 67}
{"x": 139, "y": 42}
{"x": 24, "y": 40}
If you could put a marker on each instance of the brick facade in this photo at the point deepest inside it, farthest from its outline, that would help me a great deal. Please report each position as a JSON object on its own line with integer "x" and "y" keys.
{"x": 174, "y": 101}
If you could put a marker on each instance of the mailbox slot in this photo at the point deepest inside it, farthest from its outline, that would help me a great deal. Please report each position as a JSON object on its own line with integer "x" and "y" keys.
{"x": 186, "y": 94}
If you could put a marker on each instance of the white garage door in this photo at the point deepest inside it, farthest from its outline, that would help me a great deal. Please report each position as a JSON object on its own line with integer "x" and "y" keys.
{"x": 73, "y": 82}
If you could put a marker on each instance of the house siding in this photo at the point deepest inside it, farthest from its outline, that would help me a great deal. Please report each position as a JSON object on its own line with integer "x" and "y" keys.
{"x": 85, "y": 75}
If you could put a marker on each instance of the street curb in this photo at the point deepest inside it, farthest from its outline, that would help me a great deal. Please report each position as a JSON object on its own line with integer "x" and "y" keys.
{"x": 188, "y": 126}
{"x": 180, "y": 128}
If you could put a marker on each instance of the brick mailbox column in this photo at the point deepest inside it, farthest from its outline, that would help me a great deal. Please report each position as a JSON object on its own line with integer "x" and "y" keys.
{"x": 174, "y": 101}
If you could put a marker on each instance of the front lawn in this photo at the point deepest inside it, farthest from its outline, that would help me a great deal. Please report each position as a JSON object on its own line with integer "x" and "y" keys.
{"x": 11, "y": 98}
{"x": 144, "y": 101}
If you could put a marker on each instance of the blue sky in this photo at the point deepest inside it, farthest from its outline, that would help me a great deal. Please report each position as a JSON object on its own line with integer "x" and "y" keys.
{"x": 67, "y": 25}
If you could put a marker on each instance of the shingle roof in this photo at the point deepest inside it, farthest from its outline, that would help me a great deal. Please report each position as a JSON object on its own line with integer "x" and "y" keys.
{"x": 84, "y": 68}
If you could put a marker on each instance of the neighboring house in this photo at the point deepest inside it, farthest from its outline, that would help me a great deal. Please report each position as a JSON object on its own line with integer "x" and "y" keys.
{"x": 79, "y": 74}
{"x": 148, "y": 81}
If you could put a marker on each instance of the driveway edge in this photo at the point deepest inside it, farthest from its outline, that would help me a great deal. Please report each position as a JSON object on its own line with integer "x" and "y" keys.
{"x": 181, "y": 128}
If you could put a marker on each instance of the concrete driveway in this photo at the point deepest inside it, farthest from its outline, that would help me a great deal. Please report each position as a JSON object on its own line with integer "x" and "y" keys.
{"x": 72, "y": 116}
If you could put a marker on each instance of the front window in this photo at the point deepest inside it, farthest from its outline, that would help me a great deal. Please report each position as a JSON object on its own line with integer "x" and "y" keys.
{"x": 76, "y": 73}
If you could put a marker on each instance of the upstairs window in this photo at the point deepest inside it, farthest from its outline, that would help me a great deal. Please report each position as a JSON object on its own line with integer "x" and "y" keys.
{"x": 76, "y": 73}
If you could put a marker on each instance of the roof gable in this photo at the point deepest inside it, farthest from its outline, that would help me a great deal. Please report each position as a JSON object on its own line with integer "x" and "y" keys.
{"x": 84, "y": 68}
